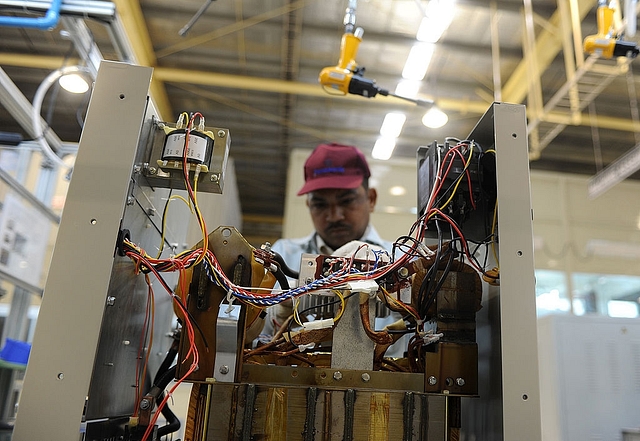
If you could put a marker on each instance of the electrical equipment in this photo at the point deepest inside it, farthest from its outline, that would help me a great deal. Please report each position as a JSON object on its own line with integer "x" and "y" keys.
{"x": 205, "y": 157}
{"x": 464, "y": 177}
{"x": 467, "y": 368}
{"x": 325, "y": 372}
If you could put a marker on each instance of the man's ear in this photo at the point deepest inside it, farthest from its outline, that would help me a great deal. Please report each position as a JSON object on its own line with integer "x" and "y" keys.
{"x": 372, "y": 194}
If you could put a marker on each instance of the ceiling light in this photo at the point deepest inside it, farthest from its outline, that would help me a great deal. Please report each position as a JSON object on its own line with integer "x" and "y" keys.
{"x": 418, "y": 61}
{"x": 397, "y": 190}
{"x": 435, "y": 118}
{"x": 392, "y": 124}
{"x": 383, "y": 148}
{"x": 408, "y": 88}
{"x": 73, "y": 83}
{"x": 439, "y": 15}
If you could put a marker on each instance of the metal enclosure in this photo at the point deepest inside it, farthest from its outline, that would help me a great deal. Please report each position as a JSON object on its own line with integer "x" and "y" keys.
{"x": 87, "y": 337}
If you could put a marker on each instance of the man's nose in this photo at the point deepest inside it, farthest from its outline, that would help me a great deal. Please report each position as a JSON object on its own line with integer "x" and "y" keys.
{"x": 335, "y": 213}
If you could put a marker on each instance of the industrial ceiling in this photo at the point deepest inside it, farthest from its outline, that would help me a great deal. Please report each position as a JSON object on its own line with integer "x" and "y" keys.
{"x": 252, "y": 66}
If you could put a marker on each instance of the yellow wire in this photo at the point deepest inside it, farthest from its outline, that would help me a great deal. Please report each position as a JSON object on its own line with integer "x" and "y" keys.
{"x": 164, "y": 220}
{"x": 342, "y": 305}
{"x": 466, "y": 165}
{"x": 296, "y": 316}
{"x": 186, "y": 117}
{"x": 203, "y": 228}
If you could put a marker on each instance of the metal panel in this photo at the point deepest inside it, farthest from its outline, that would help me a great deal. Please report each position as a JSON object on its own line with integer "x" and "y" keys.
{"x": 509, "y": 314}
{"x": 71, "y": 314}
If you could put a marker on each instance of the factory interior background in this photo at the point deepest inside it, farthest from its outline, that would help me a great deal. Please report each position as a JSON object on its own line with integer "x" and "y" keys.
{"x": 252, "y": 66}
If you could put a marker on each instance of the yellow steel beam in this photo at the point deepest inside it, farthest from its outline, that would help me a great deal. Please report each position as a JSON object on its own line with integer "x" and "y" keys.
{"x": 135, "y": 27}
{"x": 548, "y": 45}
{"x": 181, "y": 76}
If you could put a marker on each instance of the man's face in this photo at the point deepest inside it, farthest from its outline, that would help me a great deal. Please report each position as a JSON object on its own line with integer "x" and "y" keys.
{"x": 340, "y": 216}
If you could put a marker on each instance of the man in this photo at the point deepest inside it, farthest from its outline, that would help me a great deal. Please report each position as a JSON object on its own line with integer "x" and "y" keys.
{"x": 340, "y": 202}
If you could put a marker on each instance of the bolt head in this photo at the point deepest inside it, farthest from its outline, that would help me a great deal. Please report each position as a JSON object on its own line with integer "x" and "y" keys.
{"x": 224, "y": 370}
{"x": 215, "y": 178}
{"x": 153, "y": 170}
{"x": 221, "y": 133}
{"x": 403, "y": 272}
{"x": 366, "y": 377}
{"x": 460, "y": 381}
{"x": 145, "y": 404}
{"x": 432, "y": 380}
{"x": 337, "y": 375}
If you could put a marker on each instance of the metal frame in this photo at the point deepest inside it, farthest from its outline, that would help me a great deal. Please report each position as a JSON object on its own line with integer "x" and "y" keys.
{"x": 507, "y": 338}
{"x": 68, "y": 328}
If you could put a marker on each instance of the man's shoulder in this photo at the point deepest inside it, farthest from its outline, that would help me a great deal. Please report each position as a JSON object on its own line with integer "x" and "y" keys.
{"x": 288, "y": 244}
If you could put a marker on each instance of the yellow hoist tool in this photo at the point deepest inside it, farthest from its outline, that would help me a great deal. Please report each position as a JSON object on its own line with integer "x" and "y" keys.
{"x": 606, "y": 42}
{"x": 347, "y": 77}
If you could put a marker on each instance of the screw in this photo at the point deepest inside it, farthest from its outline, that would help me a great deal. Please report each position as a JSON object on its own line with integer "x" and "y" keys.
{"x": 460, "y": 381}
{"x": 337, "y": 375}
{"x": 221, "y": 133}
{"x": 432, "y": 380}
{"x": 145, "y": 404}
{"x": 366, "y": 377}
{"x": 403, "y": 272}
{"x": 111, "y": 301}
{"x": 151, "y": 211}
{"x": 130, "y": 200}
{"x": 60, "y": 376}
{"x": 152, "y": 170}
{"x": 161, "y": 125}
{"x": 224, "y": 370}
{"x": 136, "y": 169}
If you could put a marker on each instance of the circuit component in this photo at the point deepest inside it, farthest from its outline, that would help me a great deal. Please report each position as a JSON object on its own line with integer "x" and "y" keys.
{"x": 461, "y": 176}
{"x": 185, "y": 150}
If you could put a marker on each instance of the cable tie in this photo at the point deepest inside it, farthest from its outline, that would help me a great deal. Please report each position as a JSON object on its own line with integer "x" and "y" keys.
{"x": 230, "y": 299}
{"x": 303, "y": 348}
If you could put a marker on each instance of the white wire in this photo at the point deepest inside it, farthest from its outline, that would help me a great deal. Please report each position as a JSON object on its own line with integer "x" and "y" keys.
{"x": 37, "y": 107}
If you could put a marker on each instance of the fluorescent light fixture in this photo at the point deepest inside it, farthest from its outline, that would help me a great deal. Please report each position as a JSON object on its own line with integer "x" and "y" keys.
{"x": 439, "y": 15}
{"x": 397, "y": 190}
{"x": 621, "y": 308}
{"x": 418, "y": 61}
{"x": 392, "y": 124}
{"x": 435, "y": 118}
{"x": 383, "y": 148}
{"x": 409, "y": 88}
{"x": 73, "y": 83}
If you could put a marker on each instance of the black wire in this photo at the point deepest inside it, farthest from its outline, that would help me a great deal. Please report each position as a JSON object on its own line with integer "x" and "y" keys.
{"x": 283, "y": 266}
{"x": 282, "y": 279}
{"x": 425, "y": 286}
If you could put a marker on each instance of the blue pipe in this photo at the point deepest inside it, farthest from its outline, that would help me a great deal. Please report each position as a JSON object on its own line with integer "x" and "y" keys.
{"x": 48, "y": 21}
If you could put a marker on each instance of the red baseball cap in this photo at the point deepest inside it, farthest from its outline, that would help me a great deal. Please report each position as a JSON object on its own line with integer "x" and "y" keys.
{"x": 334, "y": 166}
